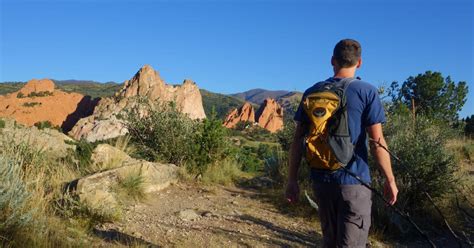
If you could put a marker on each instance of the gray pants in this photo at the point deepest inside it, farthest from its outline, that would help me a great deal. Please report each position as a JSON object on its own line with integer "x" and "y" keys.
{"x": 344, "y": 212}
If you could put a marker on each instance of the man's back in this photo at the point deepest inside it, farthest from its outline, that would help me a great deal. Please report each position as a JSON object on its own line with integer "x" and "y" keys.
{"x": 364, "y": 108}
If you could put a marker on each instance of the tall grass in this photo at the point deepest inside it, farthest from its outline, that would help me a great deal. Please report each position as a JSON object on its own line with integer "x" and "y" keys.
{"x": 32, "y": 204}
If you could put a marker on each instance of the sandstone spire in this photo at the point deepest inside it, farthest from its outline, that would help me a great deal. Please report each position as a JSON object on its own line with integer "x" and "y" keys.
{"x": 244, "y": 113}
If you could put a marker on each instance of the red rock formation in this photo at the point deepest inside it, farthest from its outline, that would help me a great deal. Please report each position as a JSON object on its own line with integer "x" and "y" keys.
{"x": 244, "y": 113}
{"x": 39, "y": 101}
{"x": 34, "y": 85}
{"x": 270, "y": 115}
{"x": 147, "y": 84}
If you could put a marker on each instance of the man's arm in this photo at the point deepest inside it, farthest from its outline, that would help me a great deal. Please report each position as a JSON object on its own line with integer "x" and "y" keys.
{"x": 383, "y": 161}
{"x": 296, "y": 151}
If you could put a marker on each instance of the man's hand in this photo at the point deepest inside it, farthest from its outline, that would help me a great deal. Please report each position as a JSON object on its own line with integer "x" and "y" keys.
{"x": 390, "y": 191}
{"x": 292, "y": 192}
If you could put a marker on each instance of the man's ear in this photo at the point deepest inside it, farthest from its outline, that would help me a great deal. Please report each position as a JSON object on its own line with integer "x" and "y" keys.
{"x": 359, "y": 63}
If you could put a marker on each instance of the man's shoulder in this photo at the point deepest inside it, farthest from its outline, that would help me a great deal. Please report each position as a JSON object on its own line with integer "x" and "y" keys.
{"x": 361, "y": 85}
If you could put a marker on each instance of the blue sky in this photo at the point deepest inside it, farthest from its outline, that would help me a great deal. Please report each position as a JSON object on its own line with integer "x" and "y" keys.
{"x": 233, "y": 46}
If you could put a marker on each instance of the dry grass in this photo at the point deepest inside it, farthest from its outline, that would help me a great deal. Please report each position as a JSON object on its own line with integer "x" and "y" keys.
{"x": 226, "y": 172}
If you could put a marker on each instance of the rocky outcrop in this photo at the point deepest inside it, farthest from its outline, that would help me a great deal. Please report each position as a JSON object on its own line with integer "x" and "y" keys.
{"x": 146, "y": 84}
{"x": 100, "y": 189}
{"x": 39, "y": 101}
{"x": 270, "y": 115}
{"x": 246, "y": 113}
{"x": 37, "y": 86}
{"x": 49, "y": 141}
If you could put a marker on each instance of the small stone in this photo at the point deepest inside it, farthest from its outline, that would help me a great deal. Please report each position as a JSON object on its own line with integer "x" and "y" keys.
{"x": 188, "y": 215}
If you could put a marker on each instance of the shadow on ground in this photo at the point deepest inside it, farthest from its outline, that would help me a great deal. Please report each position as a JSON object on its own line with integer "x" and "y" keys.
{"x": 122, "y": 238}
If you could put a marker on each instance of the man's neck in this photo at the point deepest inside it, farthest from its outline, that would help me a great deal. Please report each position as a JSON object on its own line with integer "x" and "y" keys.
{"x": 344, "y": 73}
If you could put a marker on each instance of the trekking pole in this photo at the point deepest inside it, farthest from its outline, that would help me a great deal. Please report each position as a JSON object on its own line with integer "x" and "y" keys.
{"x": 397, "y": 210}
{"x": 424, "y": 191}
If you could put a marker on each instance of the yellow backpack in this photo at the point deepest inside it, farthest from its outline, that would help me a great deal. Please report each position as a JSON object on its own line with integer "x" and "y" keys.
{"x": 328, "y": 142}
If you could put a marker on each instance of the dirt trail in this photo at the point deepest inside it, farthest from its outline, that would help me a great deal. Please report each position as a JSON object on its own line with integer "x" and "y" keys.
{"x": 192, "y": 215}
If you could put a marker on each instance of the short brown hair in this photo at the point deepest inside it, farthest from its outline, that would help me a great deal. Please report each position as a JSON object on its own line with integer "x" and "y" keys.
{"x": 347, "y": 52}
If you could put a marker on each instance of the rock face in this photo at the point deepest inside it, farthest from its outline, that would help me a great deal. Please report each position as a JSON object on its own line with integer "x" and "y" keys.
{"x": 147, "y": 84}
{"x": 39, "y": 101}
{"x": 50, "y": 141}
{"x": 34, "y": 85}
{"x": 268, "y": 116}
{"x": 100, "y": 189}
{"x": 244, "y": 113}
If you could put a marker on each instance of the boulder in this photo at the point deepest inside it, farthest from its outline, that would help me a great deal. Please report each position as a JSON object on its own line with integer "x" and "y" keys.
{"x": 98, "y": 190}
{"x": 146, "y": 84}
{"x": 270, "y": 115}
{"x": 50, "y": 141}
{"x": 244, "y": 113}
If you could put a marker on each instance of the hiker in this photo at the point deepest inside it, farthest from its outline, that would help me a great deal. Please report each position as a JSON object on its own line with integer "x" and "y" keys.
{"x": 332, "y": 123}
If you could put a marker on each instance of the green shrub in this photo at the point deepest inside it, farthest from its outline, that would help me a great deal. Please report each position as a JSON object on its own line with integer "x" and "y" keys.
{"x": 43, "y": 124}
{"x": 163, "y": 133}
{"x": 427, "y": 165}
{"x": 2, "y": 123}
{"x": 132, "y": 186}
{"x": 14, "y": 197}
{"x": 40, "y": 94}
{"x": 31, "y": 104}
{"x": 211, "y": 144}
{"x": 20, "y": 95}
{"x": 81, "y": 156}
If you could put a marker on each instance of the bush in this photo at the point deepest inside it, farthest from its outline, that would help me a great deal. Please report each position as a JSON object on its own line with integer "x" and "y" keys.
{"x": 43, "y": 124}
{"x": 31, "y": 104}
{"x": 40, "y": 94}
{"x": 14, "y": 197}
{"x": 2, "y": 123}
{"x": 20, "y": 95}
{"x": 426, "y": 166}
{"x": 161, "y": 132}
{"x": 211, "y": 143}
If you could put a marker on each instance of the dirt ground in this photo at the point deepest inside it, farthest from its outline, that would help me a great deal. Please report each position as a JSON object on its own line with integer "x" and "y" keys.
{"x": 192, "y": 215}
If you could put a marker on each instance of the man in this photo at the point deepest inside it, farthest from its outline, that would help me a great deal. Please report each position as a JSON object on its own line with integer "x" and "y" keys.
{"x": 345, "y": 204}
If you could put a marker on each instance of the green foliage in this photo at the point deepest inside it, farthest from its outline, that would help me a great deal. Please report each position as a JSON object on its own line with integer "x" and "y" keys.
{"x": 20, "y": 95}
{"x": 81, "y": 156}
{"x": 434, "y": 96}
{"x": 469, "y": 127}
{"x": 14, "y": 197}
{"x": 31, "y": 104}
{"x": 285, "y": 136}
{"x": 43, "y": 124}
{"x": 2, "y": 123}
{"x": 222, "y": 104}
{"x": 426, "y": 164}
{"x": 133, "y": 186}
{"x": 211, "y": 144}
{"x": 40, "y": 94}
{"x": 163, "y": 133}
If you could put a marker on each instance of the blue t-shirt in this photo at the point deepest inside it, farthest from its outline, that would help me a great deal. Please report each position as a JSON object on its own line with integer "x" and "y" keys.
{"x": 364, "y": 109}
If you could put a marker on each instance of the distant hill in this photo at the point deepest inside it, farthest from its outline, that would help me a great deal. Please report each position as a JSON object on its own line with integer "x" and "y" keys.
{"x": 223, "y": 104}
{"x": 84, "y": 87}
{"x": 257, "y": 96}
{"x": 289, "y": 100}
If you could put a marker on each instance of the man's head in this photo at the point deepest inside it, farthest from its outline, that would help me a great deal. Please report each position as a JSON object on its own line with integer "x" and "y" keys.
{"x": 347, "y": 54}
